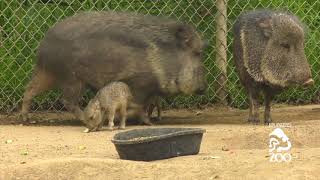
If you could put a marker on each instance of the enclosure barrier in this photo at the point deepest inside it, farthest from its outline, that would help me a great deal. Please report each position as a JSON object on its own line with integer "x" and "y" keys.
{"x": 24, "y": 23}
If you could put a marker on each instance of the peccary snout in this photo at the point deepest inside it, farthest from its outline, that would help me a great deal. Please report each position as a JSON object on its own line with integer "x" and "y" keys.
{"x": 203, "y": 84}
{"x": 300, "y": 79}
{"x": 308, "y": 82}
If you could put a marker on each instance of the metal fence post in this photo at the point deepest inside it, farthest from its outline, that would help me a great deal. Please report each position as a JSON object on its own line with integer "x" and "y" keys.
{"x": 221, "y": 49}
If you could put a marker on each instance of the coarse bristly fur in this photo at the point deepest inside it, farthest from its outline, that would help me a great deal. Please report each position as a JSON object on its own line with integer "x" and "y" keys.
{"x": 269, "y": 56}
{"x": 111, "y": 99}
{"x": 154, "y": 56}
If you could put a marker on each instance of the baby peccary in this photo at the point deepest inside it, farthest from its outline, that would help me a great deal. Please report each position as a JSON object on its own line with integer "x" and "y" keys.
{"x": 111, "y": 99}
{"x": 269, "y": 56}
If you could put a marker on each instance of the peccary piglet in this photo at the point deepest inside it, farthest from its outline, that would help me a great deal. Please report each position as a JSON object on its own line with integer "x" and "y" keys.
{"x": 269, "y": 56}
{"x": 109, "y": 100}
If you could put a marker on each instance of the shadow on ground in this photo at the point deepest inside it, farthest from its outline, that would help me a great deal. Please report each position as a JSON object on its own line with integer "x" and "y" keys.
{"x": 212, "y": 115}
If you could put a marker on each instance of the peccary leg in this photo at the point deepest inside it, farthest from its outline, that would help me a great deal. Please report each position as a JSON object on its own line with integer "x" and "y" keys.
{"x": 110, "y": 117}
{"x": 123, "y": 116}
{"x": 150, "y": 110}
{"x": 267, "y": 114}
{"x": 146, "y": 120}
{"x": 143, "y": 117}
{"x": 71, "y": 94}
{"x": 158, "y": 104}
{"x": 103, "y": 119}
{"x": 40, "y": 82}
{"x": 140, "y": 110}
{"x": 254, "y": 107}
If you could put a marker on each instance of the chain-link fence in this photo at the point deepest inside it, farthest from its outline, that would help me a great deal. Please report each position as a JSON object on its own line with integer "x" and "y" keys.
{"x": 23, "y": 24}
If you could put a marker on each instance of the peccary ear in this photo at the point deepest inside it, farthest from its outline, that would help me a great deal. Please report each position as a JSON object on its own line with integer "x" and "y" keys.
{"x": 183, "y": 33}
{"x": 266, "y": 26}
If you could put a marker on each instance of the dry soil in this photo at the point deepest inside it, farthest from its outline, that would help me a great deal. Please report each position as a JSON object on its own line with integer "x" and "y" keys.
{"x": 231, "y": 148}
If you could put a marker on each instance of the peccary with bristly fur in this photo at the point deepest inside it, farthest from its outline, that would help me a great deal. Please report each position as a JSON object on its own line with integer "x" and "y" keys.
{"x": 269, "y": 56}
{"x": 111, "y": 99}
{"x": 154, "y": 56}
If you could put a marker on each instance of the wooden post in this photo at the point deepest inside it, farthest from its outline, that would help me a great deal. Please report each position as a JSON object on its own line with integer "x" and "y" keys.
{"x": 221, "y": 49}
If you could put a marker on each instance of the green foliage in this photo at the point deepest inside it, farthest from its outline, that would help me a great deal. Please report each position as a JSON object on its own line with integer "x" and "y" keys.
{"x": 24, "y": 25}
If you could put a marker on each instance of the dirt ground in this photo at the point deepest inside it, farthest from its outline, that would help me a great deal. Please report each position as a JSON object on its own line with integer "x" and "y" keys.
{"x": 231, "y": 148}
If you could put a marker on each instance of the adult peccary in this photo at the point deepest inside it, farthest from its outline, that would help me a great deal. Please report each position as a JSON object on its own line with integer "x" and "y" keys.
{"x": 155, "y": 56}
{"x": 111, "y": 99}
{"x": 269, "y": 56}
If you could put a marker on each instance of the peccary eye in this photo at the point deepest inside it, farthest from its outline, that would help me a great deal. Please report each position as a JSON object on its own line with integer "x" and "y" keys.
{"x": 197, "y": 53}
{"x": 285, "y": 45}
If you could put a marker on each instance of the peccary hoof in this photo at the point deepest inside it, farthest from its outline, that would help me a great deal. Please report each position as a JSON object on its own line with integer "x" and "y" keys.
{"x": 147, "y": 122}
{"x": 110, "y": 128}
{"x": 23, "y": 117}
{"x": 26, "y": 119}
{"x": 156, "y": 119}
{"x": 253, "y": 120}
{"x": 86, "y": 130}
{"x": 267, "y": 121}
{"x": 33, "y": 122}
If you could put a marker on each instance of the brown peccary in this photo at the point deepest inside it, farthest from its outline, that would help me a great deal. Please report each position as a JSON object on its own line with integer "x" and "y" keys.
{"x": 154, "y": 102}
{"x": 269, "y": 56}
{"x": 111, "y": 99}
{"x": 154, "y": 56}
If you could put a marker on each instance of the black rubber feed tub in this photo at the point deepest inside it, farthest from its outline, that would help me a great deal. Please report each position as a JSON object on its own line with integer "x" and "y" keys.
{"x": 157, "y": 143}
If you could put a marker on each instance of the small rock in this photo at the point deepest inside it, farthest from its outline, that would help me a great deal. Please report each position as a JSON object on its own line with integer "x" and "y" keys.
{"x": 9, "y": 141}
{"x": 225, "y": 148}
{"x": 214, "y": 177}
{"x": 86, "y": 130}
{"x": 24, "y": 153}
{"x": 82, "y": 147}
{"x": 211, "y": 157}
{"x": 198, "y": 113}
{"x": 23, "y": 162}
